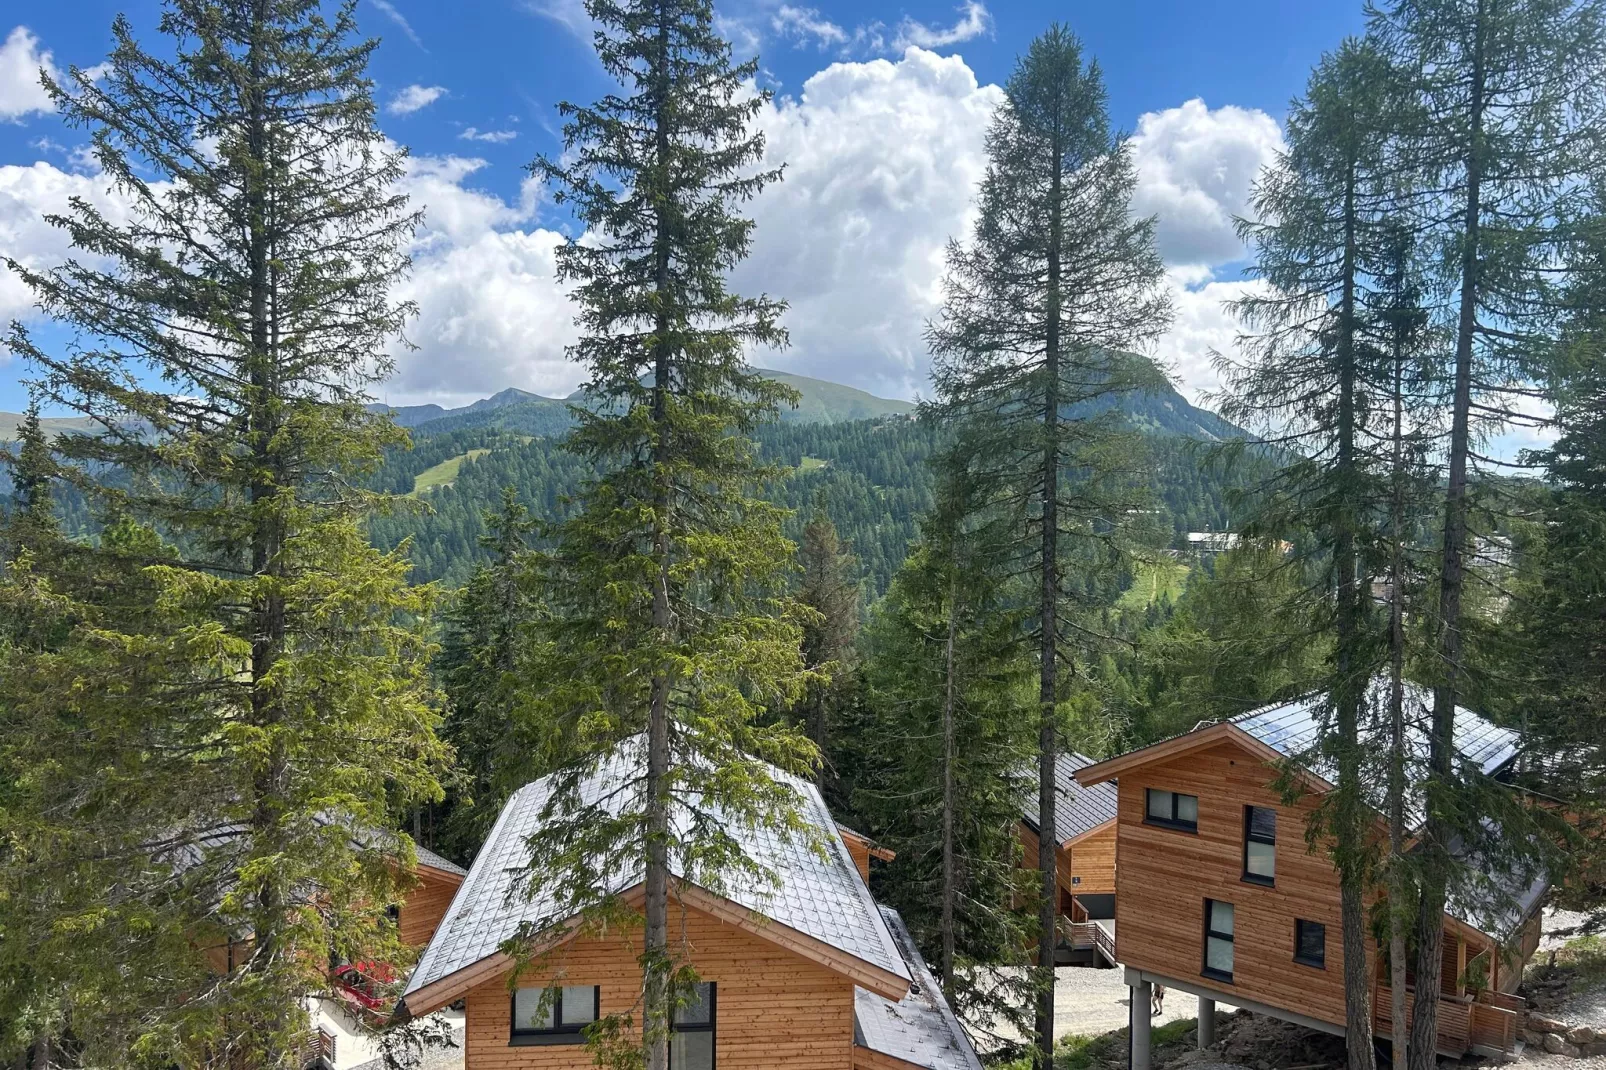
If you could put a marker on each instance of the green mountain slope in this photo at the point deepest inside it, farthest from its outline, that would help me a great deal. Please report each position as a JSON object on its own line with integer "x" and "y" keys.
{"x": 50, "y": 425}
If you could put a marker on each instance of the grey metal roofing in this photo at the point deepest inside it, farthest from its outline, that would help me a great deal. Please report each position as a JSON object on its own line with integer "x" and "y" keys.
{"x": 920, "y": 1028}
{"x": 429, "y": 858}
{"x": 1291, "y": 729}
{"x": 822, "y": 897}
{"x": 1076, "y": 809}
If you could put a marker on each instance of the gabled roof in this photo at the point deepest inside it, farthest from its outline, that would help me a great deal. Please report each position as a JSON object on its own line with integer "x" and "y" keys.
{"x": 1288, "y": 731}
{"x": 920, "y": 1028}
{"x": 430, "y": 860}
{"x": 817, "y": 896}
{"x": 1077, "y": 809}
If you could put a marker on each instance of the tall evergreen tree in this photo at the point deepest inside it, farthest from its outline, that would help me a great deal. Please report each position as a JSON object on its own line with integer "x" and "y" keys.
{"x": 1056, "y": 284}
{"x": 675, "y": 643}
{"x": 193, "y": 826}
{"x": 1510, "y": 104}
{"x": 830, "y": 587}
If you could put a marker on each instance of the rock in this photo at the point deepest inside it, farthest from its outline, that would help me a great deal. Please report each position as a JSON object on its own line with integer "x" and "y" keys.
{"x": 1553, "y": 1043}
{"x": 1532, "y": 1039}
{"x": 1540, "y": 1024}
{"x": 1581, "y": 1035}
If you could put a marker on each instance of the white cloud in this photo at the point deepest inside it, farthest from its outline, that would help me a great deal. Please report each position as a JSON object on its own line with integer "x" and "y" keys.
{"x": 807, "y": 24}
{"x": 495, "y": 137}
{"x": 974, "y": 21}
{"x": 399, "y": 19}
{"x": 27, "y": 194}
{"x": 20, "y": 63}
{"x": 414, "y": 97}
{"x": 570, "y": 14}
{"x": 1196, "y": 166}
{"x": 1203, "y": 326}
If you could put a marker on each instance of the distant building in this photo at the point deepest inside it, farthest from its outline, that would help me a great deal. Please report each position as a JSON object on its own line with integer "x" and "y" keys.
{"x": 1210, "y": 543}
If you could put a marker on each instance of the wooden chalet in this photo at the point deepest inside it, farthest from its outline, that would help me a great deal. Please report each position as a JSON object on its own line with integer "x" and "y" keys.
{"x": 1084, "y": 824}
{"x": 1218, "y": 895}
{"x": 807, "y": 972}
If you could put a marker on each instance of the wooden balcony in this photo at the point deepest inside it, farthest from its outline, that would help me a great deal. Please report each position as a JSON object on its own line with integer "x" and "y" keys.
{"x": 1482, "y": 1024}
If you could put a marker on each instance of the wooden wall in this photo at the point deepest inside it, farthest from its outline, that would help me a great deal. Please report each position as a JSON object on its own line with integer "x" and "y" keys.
{"x": 425, "y": 906}
{"x": 774, "y": 1008}
{"x": 1093, "y": 862}
{"x": 1164, "y": 877}
{"x": 859, "y": 850}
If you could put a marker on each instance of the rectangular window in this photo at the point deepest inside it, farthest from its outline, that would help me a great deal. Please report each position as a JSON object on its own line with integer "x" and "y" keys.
{"x": 554, "y": 1015}
{"x": 1310, "y": 943}
{"x": 1218, "y": 939}
{"x": 1260, "y": 845}
{"x": 1171, "y": 809}
{"x": 692, "y": 1045}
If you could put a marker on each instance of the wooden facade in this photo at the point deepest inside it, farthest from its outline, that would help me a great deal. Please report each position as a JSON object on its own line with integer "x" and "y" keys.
{"x": 861, "y": 848}
{"x": 774, "y": 1007}
{"x": 1166, "y": 876}
{"x": 1085, "y": 865}
{"x": 420, "y": 913}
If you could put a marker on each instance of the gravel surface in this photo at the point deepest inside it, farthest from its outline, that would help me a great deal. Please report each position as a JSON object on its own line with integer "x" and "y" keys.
{"x": 1089, "y": 1001}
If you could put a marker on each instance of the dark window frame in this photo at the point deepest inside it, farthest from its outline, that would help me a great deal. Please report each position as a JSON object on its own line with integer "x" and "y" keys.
{"x": 1303, "y": 960}
{"x": 702, "y": 1027}
{"x": 1251, "y": 837}
{"x": 559, "y": 1033}
{"x": 1205, "y": 969}
{"x": 1173, "y": 822}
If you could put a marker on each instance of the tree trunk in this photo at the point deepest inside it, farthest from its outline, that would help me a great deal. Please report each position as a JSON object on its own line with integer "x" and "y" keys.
{"x": 655, "y": 951}
{"x": 949, "y": 892}
{"x": 1396, "y": 773}
{"x": 1351, "y": 685}
{"x": 1048, "y": 665}
{"x": 1452, "y": 574}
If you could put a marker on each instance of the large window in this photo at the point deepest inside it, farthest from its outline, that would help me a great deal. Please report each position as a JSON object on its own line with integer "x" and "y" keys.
{"x": 1260, "y": 845}
{"x": 1171, "y": 809}
{"x": 692, "y": 1045}
{"x": 1218, "y": 939}
{"x": 553, "y": 1015}
{"x": 1310, "y": 943}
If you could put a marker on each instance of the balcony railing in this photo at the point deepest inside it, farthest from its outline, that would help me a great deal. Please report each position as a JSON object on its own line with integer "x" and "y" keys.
{"x": 1490, "y": 1020}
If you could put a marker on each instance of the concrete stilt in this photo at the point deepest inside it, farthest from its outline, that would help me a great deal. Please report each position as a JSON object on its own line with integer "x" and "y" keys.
{"x": 1142, "y": 992}
{"x": 1207, "y": 1022}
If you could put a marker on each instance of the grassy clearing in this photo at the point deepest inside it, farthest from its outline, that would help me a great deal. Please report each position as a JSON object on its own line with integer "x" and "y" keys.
{"x": 811, "y": 463}
{"x": 443, "y": 474}
{"x": 1155, "y": 579}
{"x": 1106, "y": 1050}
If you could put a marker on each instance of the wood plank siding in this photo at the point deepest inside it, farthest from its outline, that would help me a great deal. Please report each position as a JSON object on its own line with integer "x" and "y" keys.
{"x": 773, "y": 1007}
{"x": 421, "y": 912}
{"x": 1086, "y": 867}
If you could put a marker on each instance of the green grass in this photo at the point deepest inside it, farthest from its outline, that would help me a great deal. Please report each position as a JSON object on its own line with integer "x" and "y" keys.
{"x": 1586, "y": 955}
{"x": 811, "y": 463}
{"x": 1104, "y": 1050}
{"x": 443, "y": 474}
{"x": 1155, "y": 579}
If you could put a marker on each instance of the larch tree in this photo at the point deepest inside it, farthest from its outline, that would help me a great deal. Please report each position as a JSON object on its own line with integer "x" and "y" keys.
{"x": 1042, "y": 305}
{"x": 675, "y": 644}
{"x": 1307, "y": 379}
{"x": 1509, "y": 101}
{"x": 200, "y": 821}
{"x": 829, "y": 585}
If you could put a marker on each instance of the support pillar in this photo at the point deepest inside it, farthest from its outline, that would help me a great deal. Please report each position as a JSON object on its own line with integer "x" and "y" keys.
{"x": 1207, "y": 1022}
{"x": 1142, "y": 993}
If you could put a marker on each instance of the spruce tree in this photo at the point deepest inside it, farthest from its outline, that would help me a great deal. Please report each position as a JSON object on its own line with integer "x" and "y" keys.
{"x": 1057, "y": 283}
{"x": 830, "y": 587}
{"x": 1510, "y": 104}
{"x": 194, "y": 826}
{"x": 675, "y": 644}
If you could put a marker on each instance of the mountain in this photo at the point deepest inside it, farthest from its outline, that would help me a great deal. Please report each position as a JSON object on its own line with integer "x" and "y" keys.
{"x": 416, "y": 415}
{"x": 821, "y": 402}
{"x": 50, "y": 425}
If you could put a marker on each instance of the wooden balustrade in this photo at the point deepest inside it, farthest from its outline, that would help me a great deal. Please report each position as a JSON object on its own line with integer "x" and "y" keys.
{"x": 1490, "y": 1021}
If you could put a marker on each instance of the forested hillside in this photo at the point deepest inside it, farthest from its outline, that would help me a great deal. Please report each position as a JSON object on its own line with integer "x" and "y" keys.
{"x": 873, "y": 476}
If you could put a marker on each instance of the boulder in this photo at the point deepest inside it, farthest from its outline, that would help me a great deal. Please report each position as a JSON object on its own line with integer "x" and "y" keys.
{"x": 1581, "y": 1035}
{"x": 1540, "y": 1024}
{"x": 1530, "y": 1038}
{"x": 1597, "y": 1048}
{"x": 1554, "y": 1044}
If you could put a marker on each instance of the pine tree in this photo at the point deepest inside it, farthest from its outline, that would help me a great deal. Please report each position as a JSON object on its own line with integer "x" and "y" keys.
{"x": 1510, "y": 105}
{"x": 674, "y": 642}
{"x": 196, "y": 830}
{"x": 1056, "y": 284}
{"x": 830, "y": 587}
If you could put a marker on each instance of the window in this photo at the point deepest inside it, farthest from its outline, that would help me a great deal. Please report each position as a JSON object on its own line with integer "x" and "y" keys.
{"x": 691, "y": 1047}
{"x": 1218, "y": 939}
{"x": 553, "y": 1015}
{"x": 1171, "y": 809}
{"x": 1310, "y": 943}
{"x": 1260, "y": 845}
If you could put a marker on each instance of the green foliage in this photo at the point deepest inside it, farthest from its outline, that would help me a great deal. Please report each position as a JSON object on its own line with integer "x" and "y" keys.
{"x": 178, "y": 754}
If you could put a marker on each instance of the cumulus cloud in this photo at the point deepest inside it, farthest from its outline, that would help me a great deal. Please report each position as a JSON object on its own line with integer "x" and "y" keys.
{"x": 414, "y": 97}
{"x": 806, "y": 26}
{"x": 495, "y": 137}
{"x": 20, "y": 62}
{"x": 1196, "y": 166}
{"x": 1203, "y": 327}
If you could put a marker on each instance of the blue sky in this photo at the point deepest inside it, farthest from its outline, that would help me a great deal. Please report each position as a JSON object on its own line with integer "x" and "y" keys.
{"x": 879, "y": 112}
